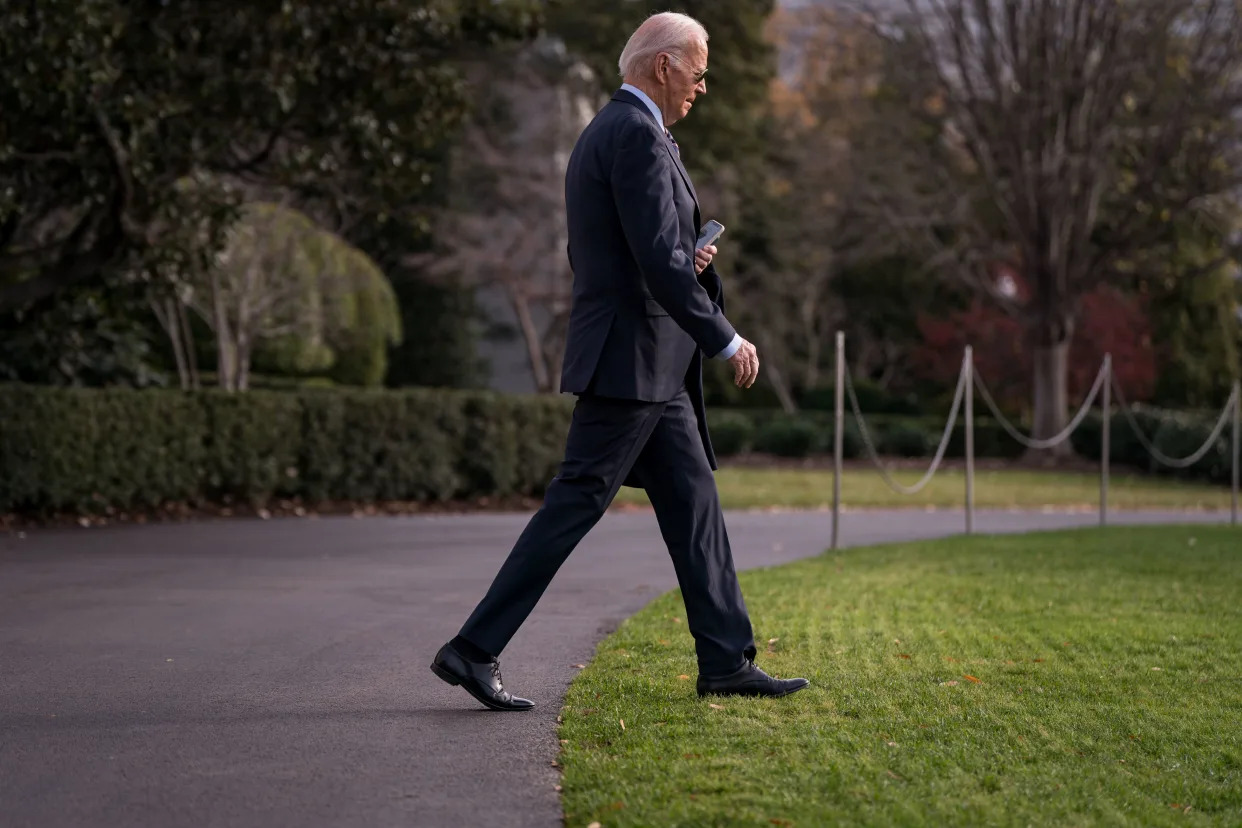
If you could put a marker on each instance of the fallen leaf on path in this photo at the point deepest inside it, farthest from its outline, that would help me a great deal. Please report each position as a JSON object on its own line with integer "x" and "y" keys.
{"x": 972, "y": 678}
{"x": 683, "y": 677}
{"x": 564, "y": 741}
{"x": 903, "y": 655}
{"x": 622, "y": 724}
{"x": 715, "y": 707}
{"x": 556, "y": 788}
{"x": 894, "y": 775}
{"x": 578, "y": 666}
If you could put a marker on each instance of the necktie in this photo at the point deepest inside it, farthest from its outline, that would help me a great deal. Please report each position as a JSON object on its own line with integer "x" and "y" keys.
{"x": 676, "y": 148}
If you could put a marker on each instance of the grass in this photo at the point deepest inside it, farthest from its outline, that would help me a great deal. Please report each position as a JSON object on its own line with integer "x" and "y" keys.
{"x": 1091, "y": 677}
{"x": 757, "y": 488}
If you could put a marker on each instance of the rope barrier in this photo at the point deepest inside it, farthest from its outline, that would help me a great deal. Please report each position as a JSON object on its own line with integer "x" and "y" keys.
{"x": 1160, "y": 456}
{"x": 969, "y": 380}
{"x": 1047, "y": 442}
{"x": 944, "y": 440}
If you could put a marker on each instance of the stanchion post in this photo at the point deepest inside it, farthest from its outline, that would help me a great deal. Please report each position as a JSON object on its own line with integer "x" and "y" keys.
{"x": 838, "y": 442}
{"x": 1106, "y": 437}
{"x": 968, "y": 368}
{"x": 1237, "y": 441}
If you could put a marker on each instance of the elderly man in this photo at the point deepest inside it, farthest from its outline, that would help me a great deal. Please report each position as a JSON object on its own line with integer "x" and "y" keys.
{"x": 646, "y": 310}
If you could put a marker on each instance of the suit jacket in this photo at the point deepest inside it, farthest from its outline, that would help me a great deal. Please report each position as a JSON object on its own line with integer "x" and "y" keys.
{"x": 641, "y": 321}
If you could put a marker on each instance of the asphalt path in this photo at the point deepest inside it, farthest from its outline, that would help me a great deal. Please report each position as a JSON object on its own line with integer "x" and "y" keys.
{"x": 274, "y": 673}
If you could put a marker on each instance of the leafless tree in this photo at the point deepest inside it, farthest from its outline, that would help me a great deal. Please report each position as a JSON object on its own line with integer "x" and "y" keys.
{"x": 819, "y": 103}
{"x": 505, "y": 227}
{"x": 1060, "y": 137}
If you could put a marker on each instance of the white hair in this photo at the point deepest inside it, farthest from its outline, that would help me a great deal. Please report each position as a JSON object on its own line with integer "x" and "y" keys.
{"x": 663, "y": 32}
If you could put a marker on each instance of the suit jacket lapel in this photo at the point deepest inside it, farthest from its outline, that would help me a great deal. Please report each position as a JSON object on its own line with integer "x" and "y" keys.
{"x": 627, "y": 97}
{"x": 685, "y": 176}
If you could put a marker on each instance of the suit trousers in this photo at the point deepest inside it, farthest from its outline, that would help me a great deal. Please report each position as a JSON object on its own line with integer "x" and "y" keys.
{"x": 658, "y": 446}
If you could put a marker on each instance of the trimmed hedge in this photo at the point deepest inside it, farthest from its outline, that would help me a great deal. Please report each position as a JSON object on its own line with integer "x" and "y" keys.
{"x": 786, "y": 437}
{"x": 87, "y": 450}
{"x": 1177, "y": 434}
{"x": 894, "y": 435}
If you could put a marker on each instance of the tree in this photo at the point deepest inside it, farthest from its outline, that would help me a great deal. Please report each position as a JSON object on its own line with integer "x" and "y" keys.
{"x": 505, "y": 223}
{"x": 817, "y": 109}
{"x": 316, "y": 303}
{"x": 1112, "y": 322}
{"x": 107, "y": 105}
{"x": 1061, "y": 137}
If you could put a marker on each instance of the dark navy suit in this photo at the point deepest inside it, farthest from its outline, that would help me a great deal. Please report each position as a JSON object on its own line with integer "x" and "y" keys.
{"x": 640, "y": 325}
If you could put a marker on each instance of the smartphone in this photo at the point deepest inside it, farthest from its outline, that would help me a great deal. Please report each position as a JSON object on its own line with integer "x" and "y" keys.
{"x": 708, "y": 235}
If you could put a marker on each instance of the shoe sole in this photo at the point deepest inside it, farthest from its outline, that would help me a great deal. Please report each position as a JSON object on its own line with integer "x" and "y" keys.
{"x": 756, "y": 695}
{"x": 448, "y": 677}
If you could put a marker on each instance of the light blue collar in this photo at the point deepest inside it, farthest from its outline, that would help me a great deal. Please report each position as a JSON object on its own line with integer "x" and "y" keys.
{"x": 642, "y": 96}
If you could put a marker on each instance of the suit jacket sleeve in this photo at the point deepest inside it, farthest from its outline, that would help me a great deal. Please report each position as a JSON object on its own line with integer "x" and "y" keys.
{"x": 641, "y": 177}
{"x": 714, "y": 285}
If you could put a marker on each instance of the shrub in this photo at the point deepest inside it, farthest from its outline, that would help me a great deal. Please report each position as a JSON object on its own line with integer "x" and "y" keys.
{"x": 786, "y": 437}
{"x": 1182, "y": 435}
{"x": 731, "y": 433}
{"x": 89, "y": 450}
{"x": 906, "y": 439}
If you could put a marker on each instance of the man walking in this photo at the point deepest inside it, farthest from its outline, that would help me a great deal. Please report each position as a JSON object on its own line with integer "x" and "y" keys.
{"x": 646, "y": 309}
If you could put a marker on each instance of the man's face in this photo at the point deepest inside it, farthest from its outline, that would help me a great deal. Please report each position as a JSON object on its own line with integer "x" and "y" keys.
{"x": 684, "y": 81}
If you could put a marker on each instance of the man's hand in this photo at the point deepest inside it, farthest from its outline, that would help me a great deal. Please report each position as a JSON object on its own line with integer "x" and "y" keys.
{"x": 745, "y": 365}
{"x": 703, "y": 257}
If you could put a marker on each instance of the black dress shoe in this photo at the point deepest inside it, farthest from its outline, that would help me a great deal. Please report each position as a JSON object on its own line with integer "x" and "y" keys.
{"x": 479, "y": 679}
{"x": 749, "y": 681}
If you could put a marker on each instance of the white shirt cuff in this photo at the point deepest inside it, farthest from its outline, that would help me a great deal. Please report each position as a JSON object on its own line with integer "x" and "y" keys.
{"x": 731, "y": 348}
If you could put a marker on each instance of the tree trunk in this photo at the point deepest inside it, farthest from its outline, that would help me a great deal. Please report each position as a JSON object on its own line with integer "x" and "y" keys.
{"x": 767, "y": 368}
{"x": 1051, "y": 394}
{"x": 813, "y": 341}
{"x": 226, "y": 359}
{"x": 165, "y": 311}
{"x": 191, "y": 358}
{"x": 780, "y": 387}
{"x": 243, "y": 365}
{"x": 534, "y": 345}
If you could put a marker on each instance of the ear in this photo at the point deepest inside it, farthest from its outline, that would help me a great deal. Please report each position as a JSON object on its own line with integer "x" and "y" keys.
{"x": 662, "y": 64}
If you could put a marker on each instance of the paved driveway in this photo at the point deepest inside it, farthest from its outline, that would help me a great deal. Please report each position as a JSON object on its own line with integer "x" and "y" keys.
{"x": 254, "y": 673}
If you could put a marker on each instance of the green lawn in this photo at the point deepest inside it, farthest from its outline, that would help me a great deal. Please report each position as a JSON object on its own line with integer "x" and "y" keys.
{"x": 743, "y": 487}
{"x": 1079, "y": 678}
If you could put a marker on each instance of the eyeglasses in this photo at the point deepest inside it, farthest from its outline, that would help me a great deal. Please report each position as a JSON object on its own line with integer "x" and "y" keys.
{"x": 698, "y": 78}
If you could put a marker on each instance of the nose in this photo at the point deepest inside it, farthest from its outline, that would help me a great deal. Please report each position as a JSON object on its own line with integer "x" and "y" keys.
{"x": 701, "y": 87}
